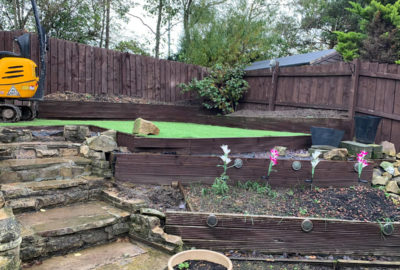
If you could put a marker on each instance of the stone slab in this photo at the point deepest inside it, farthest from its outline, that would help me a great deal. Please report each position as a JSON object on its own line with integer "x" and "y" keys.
{"x": 27, "y": 164}
{"x": 21, "y": 187}
{"x": 376, "y": 151}
{"x": 355, "y": 147}
{"x": 71, "y": 219}
{"x": 113, "y": 256}
{"x": 132, "y": 205}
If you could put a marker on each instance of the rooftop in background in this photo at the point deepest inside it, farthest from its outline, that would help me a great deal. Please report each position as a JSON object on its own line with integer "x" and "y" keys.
{"x": 312, "y": 58}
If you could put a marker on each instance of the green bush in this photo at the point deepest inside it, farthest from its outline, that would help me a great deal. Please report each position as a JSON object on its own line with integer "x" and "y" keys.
{"x": 221, "y": 89}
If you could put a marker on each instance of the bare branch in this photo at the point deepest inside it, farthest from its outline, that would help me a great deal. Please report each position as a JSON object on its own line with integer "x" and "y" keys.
{"x": 141, "y": 20}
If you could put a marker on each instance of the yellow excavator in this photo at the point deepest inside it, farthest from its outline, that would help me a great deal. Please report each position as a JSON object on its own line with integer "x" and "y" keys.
{"x": 20, "y": 77}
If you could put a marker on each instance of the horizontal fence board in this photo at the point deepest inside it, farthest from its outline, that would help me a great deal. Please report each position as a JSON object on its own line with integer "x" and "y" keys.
{"x": 282, "y": 234}
{"x": 161, "y": 169}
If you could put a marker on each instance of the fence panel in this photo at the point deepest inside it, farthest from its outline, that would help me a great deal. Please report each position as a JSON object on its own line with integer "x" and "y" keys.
{"x": 84, "y": 69}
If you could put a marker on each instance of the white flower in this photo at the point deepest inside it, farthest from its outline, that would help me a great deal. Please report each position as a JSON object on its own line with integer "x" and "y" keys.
{"x": 225, "y": 159}
{"x": 315, "y": 162}
{"x": 316, "y": 154}
{"x": 225, "y": 149}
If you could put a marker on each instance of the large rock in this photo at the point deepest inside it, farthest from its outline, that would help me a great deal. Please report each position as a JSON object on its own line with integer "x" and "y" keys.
{"x": 336, "y": 154}
{"x": 148, "y": 228}
{"x": 392, "y": 187}
{"x": 380, "y": 180}
{"x": 152, "y": 212}
{"x": 355, "y": 147}
{"x": 281, "y": 150}
{"x": 387, "y": 166}
{"x": 102, "y": 143}
{"x": 388, "y": 148}
{"x": 10, "y": 231}
{"x": 8, "y": 135}
{"x": 111, "y": 133}
{"x": 76, "y": 133}
{"x": 144, "y": 127}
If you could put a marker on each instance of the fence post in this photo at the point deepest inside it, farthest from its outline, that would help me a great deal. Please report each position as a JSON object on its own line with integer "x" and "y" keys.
{"x": 274, "y": 88}
{"x": 353, "y": 94}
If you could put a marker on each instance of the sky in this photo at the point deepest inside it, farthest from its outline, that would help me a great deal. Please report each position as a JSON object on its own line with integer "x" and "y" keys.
{"x": 135, "y": 29}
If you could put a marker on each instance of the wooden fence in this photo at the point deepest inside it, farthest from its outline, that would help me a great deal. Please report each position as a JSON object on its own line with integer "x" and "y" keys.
{"x": 357, "y": 87}
{"x": 85, "y": 69}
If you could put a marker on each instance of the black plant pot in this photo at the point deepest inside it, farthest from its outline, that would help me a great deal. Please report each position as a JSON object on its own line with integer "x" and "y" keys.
{"x": 366, "y": 127}
{"x": 326, "y": 136}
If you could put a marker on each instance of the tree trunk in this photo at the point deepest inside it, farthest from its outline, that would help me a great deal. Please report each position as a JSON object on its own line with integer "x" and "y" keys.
{"x": 15, "y": 14}
{"x": 158, "y": 28}
{"x": 107, "y": 41}
{"x": 186, "y": 15}
{"x": 103, "y": 21}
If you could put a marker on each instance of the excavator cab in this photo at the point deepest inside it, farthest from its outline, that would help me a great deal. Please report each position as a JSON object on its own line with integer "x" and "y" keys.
{"x": 20, "y": 78}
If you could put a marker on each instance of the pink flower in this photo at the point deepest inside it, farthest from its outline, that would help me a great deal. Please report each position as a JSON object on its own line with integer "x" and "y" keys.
{"x": 364, "y": 163}
{"x": 274, "y": 161}
{"x": 363, "y": 153}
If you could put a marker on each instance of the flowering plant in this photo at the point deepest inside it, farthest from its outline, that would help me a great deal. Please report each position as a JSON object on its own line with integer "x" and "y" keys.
{"x": 361, "y": 163}
{"x": 273, "y": 160}
{"x": 220, "y": 186}
{"x": 314, "y": 162}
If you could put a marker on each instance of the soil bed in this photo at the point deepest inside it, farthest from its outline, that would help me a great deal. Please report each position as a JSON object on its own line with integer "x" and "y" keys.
{"x": 301, "y": 113}
{"x": 202, "y": 265}
{"x": 356, "y": 203}
{"x": 72, "y": 96}
{"x": 157, "y": 197}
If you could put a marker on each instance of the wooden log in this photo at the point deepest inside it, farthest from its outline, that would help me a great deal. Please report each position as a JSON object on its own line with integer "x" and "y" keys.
{"x": 162, "y": 169}
{"x": 275, "y": 234}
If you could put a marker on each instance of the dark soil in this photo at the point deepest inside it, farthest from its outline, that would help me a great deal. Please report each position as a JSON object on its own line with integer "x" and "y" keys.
{"x": 301, "y": 113}
{"x": 355, "y": 203}
{"x": 72, "y": 96}
{"x": 202, "y": 265}
{"x": 158, "y": 197}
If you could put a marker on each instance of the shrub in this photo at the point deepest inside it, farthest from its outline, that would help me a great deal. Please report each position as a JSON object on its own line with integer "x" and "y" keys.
{"x": 221, "y": 89}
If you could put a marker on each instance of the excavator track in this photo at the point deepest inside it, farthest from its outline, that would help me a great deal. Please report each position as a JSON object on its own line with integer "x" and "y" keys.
{"x": 10, "y": 113}
{"x": 27, "y": 113}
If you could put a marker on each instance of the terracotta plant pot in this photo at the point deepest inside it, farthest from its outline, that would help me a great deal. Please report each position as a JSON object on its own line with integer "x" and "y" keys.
{"x": 201, "y": 255}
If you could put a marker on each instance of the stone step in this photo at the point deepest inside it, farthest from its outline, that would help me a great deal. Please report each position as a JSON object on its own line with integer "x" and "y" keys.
{"x": 25, "y": 170}
{"x": 65, "y": 229}
{"x": 29, "y": 196}
{"x": 119, "y": 255}
{"x": 38, "y": 149}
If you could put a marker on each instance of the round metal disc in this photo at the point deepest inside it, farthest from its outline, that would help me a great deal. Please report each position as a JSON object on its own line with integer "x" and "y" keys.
{"x": 238, "y": 163}
{"x": 307, "y": 225}
{"x": 212, "y": 221}
{"x": 296, "y": 165}
{"x": 387, "y": 229}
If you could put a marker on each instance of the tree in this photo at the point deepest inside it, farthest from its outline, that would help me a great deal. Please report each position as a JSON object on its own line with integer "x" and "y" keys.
{"x": 131, "y": 46}
{"x": 164, "y": 10}
{"x": 320, "y": 19}
{"x": 246, "y": 31}
{"x": 379, "y": 37}
{"x": 76, "y": 20}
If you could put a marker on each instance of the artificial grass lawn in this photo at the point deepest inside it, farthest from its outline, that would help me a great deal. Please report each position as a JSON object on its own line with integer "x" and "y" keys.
{"x": 167, "y": 129}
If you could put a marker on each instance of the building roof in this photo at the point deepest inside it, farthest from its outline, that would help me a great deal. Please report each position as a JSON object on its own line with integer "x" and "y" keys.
{"x": 294, "y": 60}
